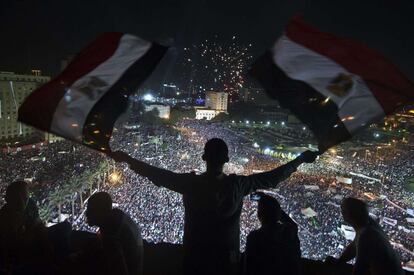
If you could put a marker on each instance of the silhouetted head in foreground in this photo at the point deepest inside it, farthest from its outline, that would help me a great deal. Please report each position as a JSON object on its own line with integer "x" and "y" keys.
{"x": 17, "y": 195}
{"x": 355, "y": 212}
{"x": 215, "y": 154}
{"x": 269, "y": 210}
{"x": 99, "y": 208}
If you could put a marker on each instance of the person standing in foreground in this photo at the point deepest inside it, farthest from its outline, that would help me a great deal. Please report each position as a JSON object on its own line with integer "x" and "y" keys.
{"x": 213, "y": 203}
{"x": 371, "y": 249}
{"x": 121, "y": 245}
{"x": 274, "y": 248}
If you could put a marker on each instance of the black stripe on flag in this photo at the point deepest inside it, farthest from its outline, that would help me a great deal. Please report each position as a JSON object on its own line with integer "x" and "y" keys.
{"x": 99, "y": 124}
{"x": 308, "y": 105}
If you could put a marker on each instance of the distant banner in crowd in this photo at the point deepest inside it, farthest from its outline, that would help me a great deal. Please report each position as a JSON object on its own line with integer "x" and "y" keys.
{"x": 334, "y": 85}
{"x": 84, "y": 101}
{"x": 344, "y": 180}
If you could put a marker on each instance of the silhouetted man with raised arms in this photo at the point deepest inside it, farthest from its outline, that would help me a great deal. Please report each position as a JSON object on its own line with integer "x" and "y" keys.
{"x": 213, "y": 203}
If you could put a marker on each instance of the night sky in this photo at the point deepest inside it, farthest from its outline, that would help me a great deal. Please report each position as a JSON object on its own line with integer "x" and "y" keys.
{"x": 39, "y": 34}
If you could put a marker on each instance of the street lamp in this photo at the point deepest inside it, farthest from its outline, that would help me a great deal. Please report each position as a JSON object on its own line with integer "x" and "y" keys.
{"x": 114, "y": 177}
{"x": 148, "y": 97}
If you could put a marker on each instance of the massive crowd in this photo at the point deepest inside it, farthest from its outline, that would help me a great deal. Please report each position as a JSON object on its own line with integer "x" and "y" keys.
{"x": 159, "y": 212}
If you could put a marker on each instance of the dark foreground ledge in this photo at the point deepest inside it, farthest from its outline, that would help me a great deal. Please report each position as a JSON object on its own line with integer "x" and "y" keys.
{"x": 166, "y": 258}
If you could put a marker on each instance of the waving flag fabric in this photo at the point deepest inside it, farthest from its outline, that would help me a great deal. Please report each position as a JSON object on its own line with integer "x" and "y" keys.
{"x": 334, "y": 85}
{"x": 84, "y": 101}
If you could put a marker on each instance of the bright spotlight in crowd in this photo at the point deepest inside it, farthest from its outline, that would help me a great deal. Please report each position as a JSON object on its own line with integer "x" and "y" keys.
{"x": 148, "y": 97}
{"x": 267, "y": 150}
{"x": 114, "y": 177}
{"x": 255, "y": 145}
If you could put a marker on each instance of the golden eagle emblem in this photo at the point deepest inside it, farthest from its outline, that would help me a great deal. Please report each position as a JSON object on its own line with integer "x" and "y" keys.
{"x": 341, "y": 85}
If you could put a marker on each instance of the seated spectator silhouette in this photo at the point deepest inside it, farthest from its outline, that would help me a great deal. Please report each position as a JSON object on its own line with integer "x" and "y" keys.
{"x": 274, "y": 248}
{"x": 371, "y": 249}
{"x": 213, "y": 203}
{"x": 25, "y": 247}
{"x": 119, "y": 247}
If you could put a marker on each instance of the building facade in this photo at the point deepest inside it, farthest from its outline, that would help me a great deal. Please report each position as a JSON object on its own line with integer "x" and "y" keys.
{"x": 13, "y": 90}
{"x": 163, "y": 110}
{"x": 217, "y": 101}
{"x": 204, "y": 113}
{"x": 255, "y": 95}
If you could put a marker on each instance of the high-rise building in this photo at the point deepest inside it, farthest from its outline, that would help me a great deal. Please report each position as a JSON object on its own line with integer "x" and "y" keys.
{"x": 163, "y": 110}
{"x": 217, "y": 101}
{"x": 13, "y": 90}
{"x": 255, "y": 95}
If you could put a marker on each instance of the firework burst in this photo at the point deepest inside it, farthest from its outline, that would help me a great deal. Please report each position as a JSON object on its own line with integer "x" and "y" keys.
{"x": 216, "y": 65}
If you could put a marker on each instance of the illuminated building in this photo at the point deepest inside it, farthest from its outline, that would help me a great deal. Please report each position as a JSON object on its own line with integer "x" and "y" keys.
{"x": 163, "y": 110}
{"x": 217, "y": 101}
{"x": 13, "y": 90}
{"x": 204, "y": 113}
{"x": 256, "y": 96}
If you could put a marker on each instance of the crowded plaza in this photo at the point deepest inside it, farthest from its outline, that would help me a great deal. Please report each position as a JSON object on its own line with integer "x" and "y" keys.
{"x": 311, "y": 196}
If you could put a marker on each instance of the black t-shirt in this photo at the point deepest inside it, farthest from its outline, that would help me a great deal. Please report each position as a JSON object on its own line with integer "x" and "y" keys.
{"x": 374, "y": 253}
{"x": 273, "y": 250}
{"x": 213, "y": 203}
{"x": 122, "y": 243}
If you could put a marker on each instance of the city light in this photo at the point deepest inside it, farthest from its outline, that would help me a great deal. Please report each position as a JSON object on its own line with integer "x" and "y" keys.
{"x": 148, "y": 97}
{"x": 114, "y": 177}
{"x": 180, "y": 115}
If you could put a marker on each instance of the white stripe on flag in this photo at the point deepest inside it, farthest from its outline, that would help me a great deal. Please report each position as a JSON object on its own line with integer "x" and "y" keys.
{"x": 73, "y": 109}
{"x": 356, "y": 108}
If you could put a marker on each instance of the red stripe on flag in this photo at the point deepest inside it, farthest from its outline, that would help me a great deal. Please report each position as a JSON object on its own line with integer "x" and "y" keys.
{"x": 389, "y": 86}
{"x": 49, "y": 95}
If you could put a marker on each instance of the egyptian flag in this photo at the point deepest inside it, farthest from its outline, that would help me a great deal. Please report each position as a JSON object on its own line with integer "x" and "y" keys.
{"x": 334, "y": 85}
{"x": 84, "y": 101}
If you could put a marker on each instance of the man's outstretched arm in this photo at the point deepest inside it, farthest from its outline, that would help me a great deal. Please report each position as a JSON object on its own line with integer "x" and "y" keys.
{"x": 270, "y": 179}
{"x": 160, "y": 177}
{"x": 348, "y": 254}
